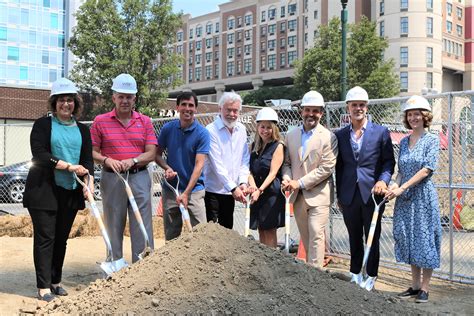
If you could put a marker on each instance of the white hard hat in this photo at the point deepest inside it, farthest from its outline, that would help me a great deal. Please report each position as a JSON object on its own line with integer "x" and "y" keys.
{"x": 267, "y": 114}
{"x": 312, "y": 98}
{"x": 357, "y": 94}
{"x": 124, "y": 83}
{"x": 63, "y": 86}
{"x": 417, "y": 102}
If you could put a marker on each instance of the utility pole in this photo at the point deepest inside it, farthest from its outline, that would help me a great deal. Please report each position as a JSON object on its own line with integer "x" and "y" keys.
{"x": 344, "y": 49}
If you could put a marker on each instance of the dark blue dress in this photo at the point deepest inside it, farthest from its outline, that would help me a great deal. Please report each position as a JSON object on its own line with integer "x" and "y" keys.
{"x": 268, "y": 211}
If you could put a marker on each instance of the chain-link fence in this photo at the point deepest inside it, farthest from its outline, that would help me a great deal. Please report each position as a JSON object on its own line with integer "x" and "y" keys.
{"x": 454, "y": 178}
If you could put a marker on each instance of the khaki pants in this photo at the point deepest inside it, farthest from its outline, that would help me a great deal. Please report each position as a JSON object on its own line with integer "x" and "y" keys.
{"x": 312, "y": 222}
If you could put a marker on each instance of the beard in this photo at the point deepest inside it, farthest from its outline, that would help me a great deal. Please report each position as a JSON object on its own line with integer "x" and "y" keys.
{"x": 229, "y": 124}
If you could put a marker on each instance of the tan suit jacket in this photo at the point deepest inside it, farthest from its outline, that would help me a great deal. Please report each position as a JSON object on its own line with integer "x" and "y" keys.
{"x": 315, "y": 169}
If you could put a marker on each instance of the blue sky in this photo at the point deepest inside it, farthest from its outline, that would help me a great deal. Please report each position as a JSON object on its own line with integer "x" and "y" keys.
{"x": 196, "y": 7}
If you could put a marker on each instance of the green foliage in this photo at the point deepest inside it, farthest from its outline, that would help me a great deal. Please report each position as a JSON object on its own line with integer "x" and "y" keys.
{"x": 258, "y": 97}
{"x": 126, "y": 36}
{"x": 320, "y": 68}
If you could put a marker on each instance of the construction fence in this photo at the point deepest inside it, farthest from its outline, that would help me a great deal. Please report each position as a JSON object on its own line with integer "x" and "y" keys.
{"x": 454, "y": 179}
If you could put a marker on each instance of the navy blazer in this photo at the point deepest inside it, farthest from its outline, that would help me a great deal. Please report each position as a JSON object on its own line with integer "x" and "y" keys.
{"x": 376, "y": 162}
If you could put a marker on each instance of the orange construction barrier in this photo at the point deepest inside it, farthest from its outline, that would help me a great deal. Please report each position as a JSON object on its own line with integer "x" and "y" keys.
{"x": 301, "y": 254}
{"x": 457, "y": 211}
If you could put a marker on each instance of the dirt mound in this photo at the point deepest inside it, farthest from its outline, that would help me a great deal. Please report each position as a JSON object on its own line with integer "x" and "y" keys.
{"x": 84, "y": 225}
{"x": 217, "y": 271}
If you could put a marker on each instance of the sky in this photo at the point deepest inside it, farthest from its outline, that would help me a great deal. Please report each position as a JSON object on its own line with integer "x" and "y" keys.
{"x": 196, "y": 7}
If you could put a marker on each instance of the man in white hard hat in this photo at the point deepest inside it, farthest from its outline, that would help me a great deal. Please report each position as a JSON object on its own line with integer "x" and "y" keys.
{"x": 226, "y": 171}
{"x": 187, "y": 144}
{"x": 309, "y": 163}
{"x": 124, "y": 140}
{"x": 365, "y": 164}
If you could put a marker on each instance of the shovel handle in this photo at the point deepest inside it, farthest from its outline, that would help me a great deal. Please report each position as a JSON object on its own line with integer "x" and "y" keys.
{"x": 247, "y": 219}
{"x": 186, "y": 218}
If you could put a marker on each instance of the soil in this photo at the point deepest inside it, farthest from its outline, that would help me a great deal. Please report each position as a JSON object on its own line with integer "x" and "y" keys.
{"x": 212, "y": 271}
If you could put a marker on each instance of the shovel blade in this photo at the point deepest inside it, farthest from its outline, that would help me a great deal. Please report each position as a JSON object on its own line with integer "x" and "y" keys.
{"x": 146, "y": 252}
{"x": 110, "y": 267}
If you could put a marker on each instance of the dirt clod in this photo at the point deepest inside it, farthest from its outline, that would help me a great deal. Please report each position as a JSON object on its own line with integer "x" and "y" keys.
{"x": 226, "y": 283}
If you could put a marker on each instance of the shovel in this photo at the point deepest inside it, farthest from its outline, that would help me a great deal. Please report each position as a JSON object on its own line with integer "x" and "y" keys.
{"x": 287, "y": 194}
{"x": 110, "y": 265}
{"x": 182, "y": 209}
{"x": 247, "y": 216}
{"x": 370, "y": 238}
{"x": 131, "y": 199}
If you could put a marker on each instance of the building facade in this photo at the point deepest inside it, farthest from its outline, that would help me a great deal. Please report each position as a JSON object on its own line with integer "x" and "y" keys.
{"x": 248, "y": 44}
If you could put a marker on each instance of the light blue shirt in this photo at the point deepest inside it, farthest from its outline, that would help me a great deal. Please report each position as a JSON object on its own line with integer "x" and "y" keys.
{"x": 356, "y": 143}
{"x": 66, "y": 143}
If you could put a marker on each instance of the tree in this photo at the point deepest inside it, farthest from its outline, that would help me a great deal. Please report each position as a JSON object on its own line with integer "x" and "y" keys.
{"x": 126, "y": 36}
{"x": 258, "y": 97}
{"x": 320, "y": 68}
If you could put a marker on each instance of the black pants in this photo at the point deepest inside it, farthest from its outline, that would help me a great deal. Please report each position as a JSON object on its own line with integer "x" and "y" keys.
{"x": 357, "y": 218}
{"x": 50, "y": 233}
{"x": 220, "y": 209}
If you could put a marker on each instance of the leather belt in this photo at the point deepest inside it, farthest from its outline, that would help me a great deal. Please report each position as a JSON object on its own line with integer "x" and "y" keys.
{"x": 132, "y": 171}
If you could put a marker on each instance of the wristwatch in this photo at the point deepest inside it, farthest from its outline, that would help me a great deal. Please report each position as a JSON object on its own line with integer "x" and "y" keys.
{"x": 135, "y": 161}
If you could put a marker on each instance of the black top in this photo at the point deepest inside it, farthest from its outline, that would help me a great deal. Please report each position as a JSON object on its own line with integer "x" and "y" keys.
{"x": 40, "y": 188}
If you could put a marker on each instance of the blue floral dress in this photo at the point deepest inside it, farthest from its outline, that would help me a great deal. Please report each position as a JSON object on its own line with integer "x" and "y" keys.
{"x": 416, "y": 219}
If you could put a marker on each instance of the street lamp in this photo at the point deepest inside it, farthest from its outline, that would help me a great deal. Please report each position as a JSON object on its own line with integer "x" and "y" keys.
{"x": 344, "y": 49}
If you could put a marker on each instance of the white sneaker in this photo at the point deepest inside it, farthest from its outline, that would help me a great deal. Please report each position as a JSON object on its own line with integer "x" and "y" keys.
{"x": 369, "y": 283}
{"x": 356, "y": 278}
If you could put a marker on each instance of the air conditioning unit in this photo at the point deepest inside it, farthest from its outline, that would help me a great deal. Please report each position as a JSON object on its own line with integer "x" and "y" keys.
{"x": 229, "y": 75}
{"x": 292, "y": 45}
{"x": 247, "y": 71}
{"x": 207, "y": 77}
{"x": 270, "y": 34}
{"x": 270, "y": 68}
{"x": 271, "y": 49}
{"x": 292, "y": 13}
{"x": 247, "y": 53}
{"x": 238, "y": 72}
{"x": 283, "y": 31}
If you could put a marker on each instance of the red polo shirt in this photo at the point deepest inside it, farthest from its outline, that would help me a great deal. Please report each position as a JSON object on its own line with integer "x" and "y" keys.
{"x": 122, "y": 142}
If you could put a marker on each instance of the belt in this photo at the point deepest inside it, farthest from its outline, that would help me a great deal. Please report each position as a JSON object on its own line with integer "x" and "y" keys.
{"x": 132, "y": 171}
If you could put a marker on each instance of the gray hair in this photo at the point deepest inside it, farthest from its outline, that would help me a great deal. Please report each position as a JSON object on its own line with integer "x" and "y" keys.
{"x": 230, "y": 97}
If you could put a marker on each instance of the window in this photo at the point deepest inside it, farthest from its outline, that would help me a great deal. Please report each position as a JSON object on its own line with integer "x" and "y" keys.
{"x": 23, "y": 73}
{"x": 272, "y": 13}
{"x": 239, "y": 66}
{"x": 24, "y": 17}
{"x": 404, "y": 25}
{"x": 382, "y": 29}
{"x": 403, "y": 5}
{"x": 216, "y": 71}
{"x": 292, "y": 9}
{"x": 403, "y": 56}
{"x": 14, "y": 53}
{"x": 230, "y": 23}
{"x": 248, "y": 19}
{"x": 208, "y": 28}
{"x": 247, "y": 65}
{"x": 306, "y": 38}
{"x": 459, "y": 29}
{"x": 198, "y": 45}
{"x": 282, "y": 12}
{"x": 61, "y": 42}
{"x": 191, "y": 46}
{"x": 208, "y": 72}
{"x": 271, "y": 44}
{"x": 429, "y": 27}
{"x": 403, "y": 81}
{"x": 230, "y": 68}
{"x": 216, "y": 41}
{"x": 217, "y": 27}
{"x": 216, "y": 55}
{"x": 429, "y": 56}
{"x": 248, "y": 35}
{"x": 190, "y": 74}
{"x": 429, "y": 5}
{"x": 208, "y": 57}
{"x": 46, "y": 3}
{"x": 292, "y": 40}
{"x": 208, "y": 42}
{"x": 198, "y": 32}
{"x": 45, "y": 57}
{"x": 247, "y": 49}
{"x": 315, "y": 14}
{"x": 292, "y": 25}
{"x": 459, "y": 12}
{"x": 449, "y": 8}
{"x": 382, "y": 7}
{"x": 179, "y": 49}
{"x": 282, "y": 43}
{"x": 271, "y": 62}
{"x": 429, "y": 80}
{"x": 191, "y": 32}
{"x": 263, "y": 16}
{"x": 282, "y": 60}
{"x": 230, "y": 38}
{"x": 291, "y": 57}
{"x": 239, "y": 36}
{"x": 179, "y": 36}
{"x": 271, "y": 29}
{"x": 198, "y": 59}
{"x": 263, "y": 62}
{"x": 449, "y": 26}
{"x": 239, "y": 51}
{"x": 54, "y": 21}
{"x": 198, "y": 73}
{"x": 3, "y": 33}
{"x": 263, "y": 30}
{"x": 230, "y": 53}
{"x": 282, "y": 27}
{"x": 53, "y": 75}
{"x": 239, "y": 21}
{"x": 305, "y": 21}
{"x": 190, "y": 60}
{"x": 263, "y": 46}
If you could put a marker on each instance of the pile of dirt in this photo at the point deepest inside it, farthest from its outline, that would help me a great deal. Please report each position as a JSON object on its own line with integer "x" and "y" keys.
{"x": 216, "y": 271}
{"x": 84, "y": 225}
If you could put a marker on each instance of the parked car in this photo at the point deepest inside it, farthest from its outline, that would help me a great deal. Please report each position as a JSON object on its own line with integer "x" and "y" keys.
{"x": 13, "y": 179}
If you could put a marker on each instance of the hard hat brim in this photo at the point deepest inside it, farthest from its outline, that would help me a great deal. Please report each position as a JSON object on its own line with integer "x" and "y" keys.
{"x": 125, "y": 91}
{"x": 63, "y": 92}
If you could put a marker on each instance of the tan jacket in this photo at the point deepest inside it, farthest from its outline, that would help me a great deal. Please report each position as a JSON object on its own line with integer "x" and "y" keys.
{"x": 315, "y": 169}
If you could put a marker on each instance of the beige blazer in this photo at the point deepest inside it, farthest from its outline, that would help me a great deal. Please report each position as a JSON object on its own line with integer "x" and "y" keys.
{"x": 315, "y": 169}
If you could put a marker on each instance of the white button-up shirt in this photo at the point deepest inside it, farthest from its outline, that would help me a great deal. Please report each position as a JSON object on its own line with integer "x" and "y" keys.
{"x": 227, "y": 164}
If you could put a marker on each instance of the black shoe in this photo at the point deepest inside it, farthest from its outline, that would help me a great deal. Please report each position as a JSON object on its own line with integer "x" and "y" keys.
{"x": 48, "y": 297}
{"x": 408, "y": 293}
{"x": 422, "y": 297}
{"x": 59, "y": 290}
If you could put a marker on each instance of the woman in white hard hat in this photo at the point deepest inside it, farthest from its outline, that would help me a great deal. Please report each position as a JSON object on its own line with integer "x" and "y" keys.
{"x": 267, "y": 210}
{"x": 60, "y": 146}
{"x": 416, "y": 218}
